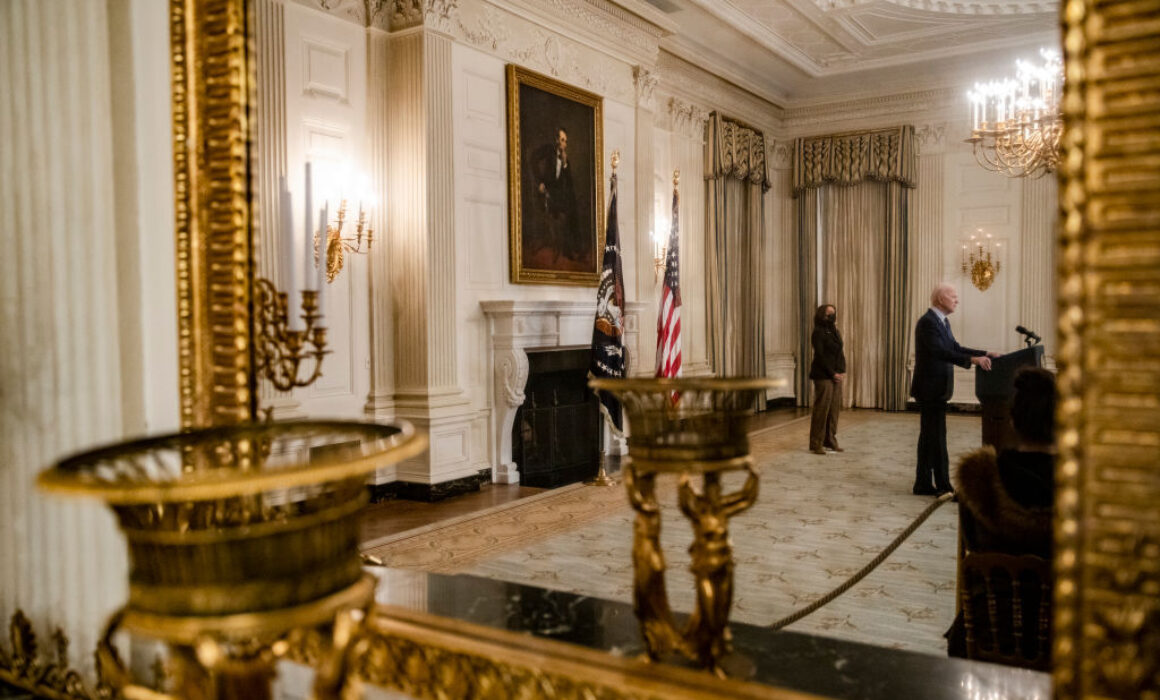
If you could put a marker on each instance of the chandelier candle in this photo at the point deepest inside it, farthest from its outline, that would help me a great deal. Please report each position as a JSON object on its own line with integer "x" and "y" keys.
{"x": 1015, "y": 123}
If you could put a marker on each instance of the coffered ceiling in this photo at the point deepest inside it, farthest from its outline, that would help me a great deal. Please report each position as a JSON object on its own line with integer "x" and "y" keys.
{"x": 799, "y": 52}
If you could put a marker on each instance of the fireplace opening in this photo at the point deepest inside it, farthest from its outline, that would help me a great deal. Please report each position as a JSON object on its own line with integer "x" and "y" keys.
{"x": 556, "y": 435}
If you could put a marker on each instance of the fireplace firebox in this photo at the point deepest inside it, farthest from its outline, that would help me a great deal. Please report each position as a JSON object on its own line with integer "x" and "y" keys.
{"x": 556, "y": 435}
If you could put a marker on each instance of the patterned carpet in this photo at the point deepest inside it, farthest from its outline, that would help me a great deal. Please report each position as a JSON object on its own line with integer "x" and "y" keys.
{"x": 817, "y": 521}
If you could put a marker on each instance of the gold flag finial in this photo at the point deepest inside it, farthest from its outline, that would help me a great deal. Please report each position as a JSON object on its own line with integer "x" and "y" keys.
{"x": 615, "y": 159}
{"x": 676, "y": 178}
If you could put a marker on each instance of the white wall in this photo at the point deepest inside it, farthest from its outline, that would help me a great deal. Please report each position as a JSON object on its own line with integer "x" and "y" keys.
{"x": 320, "y": 99}
{"x": 482, "y": 223}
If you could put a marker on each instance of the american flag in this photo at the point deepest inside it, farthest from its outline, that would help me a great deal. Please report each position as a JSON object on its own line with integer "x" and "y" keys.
{"x": 669, "y": 319}
{"x": 609, "y": 358}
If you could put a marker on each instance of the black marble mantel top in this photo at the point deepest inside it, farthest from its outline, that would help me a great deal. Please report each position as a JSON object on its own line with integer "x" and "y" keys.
{"x": 819, "y": 665}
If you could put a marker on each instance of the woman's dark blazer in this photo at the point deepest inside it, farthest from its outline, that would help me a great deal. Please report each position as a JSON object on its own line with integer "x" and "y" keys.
{"x": 829, "y": 358}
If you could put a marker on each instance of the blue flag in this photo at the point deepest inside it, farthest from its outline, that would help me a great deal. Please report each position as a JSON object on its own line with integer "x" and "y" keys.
{"x": 609, "y": 358}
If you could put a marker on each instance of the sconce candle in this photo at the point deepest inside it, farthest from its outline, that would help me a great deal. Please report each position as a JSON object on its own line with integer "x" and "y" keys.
{"x": 308, "y": 260}
{"x": 324, "y": 240}
{"x": 286, "y": 248}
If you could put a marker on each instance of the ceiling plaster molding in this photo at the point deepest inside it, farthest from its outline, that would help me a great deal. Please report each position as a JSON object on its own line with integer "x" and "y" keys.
{"x": 751, "y": 28}
{"x": 967, "y": 7}
{"x": 765, "y": 84}
{"x": 693, "y": 84}
{"x": 940, "y": 101}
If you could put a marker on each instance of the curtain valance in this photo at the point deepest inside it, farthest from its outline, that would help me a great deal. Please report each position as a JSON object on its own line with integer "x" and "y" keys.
{"x": 737, "y": 151}
{"x": 887, "y": 155}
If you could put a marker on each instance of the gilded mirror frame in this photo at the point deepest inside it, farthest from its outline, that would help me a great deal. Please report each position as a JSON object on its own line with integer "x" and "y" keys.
{"x": 1107, "y": 534}
{"x": 212, "y": 74}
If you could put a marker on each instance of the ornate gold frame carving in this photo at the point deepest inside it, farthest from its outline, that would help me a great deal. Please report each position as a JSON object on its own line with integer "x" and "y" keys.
{"x": 426, "y": 656}
{"x": 212, "y": 84}
{"x": 1107, "y": 594}
{"x": 47, "y": 676}
{"x": 1108, "y": 553}
{"x": 521, "y": 272}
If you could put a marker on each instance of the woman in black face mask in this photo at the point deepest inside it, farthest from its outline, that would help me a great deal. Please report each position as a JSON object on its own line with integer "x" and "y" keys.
{"x": 828, "y": 371}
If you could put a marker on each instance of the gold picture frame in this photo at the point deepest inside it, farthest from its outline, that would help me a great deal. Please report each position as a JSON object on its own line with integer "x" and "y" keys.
{"x": 555, "y": 171}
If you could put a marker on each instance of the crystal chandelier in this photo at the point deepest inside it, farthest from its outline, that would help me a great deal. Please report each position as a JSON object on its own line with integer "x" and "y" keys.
{"x": 1015, "y": 123}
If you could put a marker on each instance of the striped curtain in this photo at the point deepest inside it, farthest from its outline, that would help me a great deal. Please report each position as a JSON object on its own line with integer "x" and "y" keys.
{"x": 737, "y": 181}
{"x": 806, "y": 216}
{"x": 862, "y": 182}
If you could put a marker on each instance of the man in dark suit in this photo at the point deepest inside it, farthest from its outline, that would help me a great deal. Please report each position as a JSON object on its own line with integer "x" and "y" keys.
{"x": 553, "y": 175}
{"x": 935, "y": 351}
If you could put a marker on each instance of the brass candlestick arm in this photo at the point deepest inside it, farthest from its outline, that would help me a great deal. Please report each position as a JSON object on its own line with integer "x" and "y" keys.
{"x": 280, "y": 350}
{"x": 336, "y": 243}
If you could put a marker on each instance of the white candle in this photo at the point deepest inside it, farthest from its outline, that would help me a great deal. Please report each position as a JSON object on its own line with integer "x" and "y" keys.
{"x": 285, "y": 238}
{"x": 322, "y": 226}
{"x": 308, "y": 263}
{"x": 286, "y": 248}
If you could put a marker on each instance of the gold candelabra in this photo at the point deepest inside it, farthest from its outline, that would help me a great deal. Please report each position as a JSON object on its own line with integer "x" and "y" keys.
{"x": 1016, "y": 124}
{"x": 337, "y": 245}
{"x": 241, "y": 538}
{"x": 980, "y": 262}
{"x": 281, "y": 350}
{"x": 688, "y": 427}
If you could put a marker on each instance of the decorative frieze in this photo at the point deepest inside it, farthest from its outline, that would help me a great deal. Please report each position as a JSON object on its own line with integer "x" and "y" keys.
{"x": 354, "y": 11}
{"x": 516, "y": 38}
{"x": 625, "y": 32}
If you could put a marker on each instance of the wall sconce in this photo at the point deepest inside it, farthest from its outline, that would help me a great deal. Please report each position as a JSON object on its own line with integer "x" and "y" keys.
{"x": 980, "y": 260}
{"x": 336, "y": 243}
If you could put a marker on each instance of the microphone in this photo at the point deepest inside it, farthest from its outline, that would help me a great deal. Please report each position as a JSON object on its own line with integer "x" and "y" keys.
{"x": 1030, "y": 334}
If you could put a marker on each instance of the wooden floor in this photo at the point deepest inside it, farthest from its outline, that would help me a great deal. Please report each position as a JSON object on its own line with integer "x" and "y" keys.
{"x": 394, "y": 516}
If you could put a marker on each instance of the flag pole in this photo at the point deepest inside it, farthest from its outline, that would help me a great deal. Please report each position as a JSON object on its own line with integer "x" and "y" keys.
{"x": 602, "y": 477}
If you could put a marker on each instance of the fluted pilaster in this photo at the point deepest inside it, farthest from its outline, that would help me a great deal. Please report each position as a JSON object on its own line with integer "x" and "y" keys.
{"x": 381, "y": 309}
{"x": 270, "y": 131}
{"x": 1037, "y": 239}
{"x": 62, "y": 562}
{"x": 926, "y": 234}
{"x": 421, "y": 212}
{"x": 643, "y": 158}
{"x": 688, "y": 156}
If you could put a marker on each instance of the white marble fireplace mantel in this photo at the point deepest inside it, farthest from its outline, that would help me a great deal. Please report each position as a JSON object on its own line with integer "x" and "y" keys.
{"x": 516, "y": 327}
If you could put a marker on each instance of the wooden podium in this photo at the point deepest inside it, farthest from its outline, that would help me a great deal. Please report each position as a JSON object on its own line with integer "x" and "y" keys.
{"x": 994, "y": 390}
